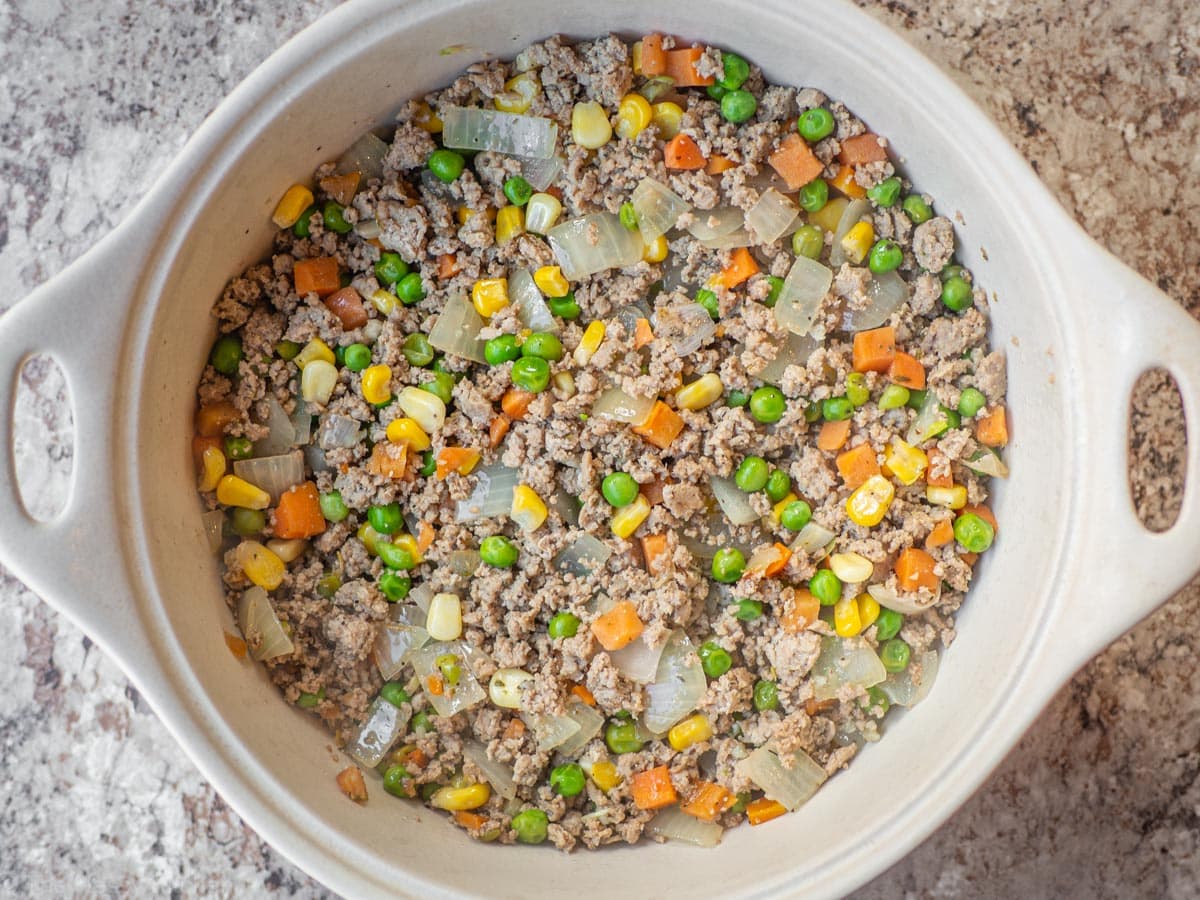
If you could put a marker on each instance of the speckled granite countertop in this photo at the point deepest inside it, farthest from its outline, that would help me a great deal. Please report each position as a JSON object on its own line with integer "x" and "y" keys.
{"x": 1102, "y": 797}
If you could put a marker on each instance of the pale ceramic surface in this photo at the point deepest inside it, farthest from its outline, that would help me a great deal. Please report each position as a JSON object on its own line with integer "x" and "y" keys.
{"x": 99, "y": 795}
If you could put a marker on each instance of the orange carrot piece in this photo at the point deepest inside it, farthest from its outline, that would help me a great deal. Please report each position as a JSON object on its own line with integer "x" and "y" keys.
{"x": 764, "y": 810}
{"x": 652, "y": 789}
{"x": 681, "y": 65}
{"x": 350, "y": 780}
{"x": 938, "y": 461}
{"x": 914, "y": 570}
{"x": 425, "y": 536}
{"x": 795, "y": 162}
{"x": 709, "y": 801}
{"x": 415, "y": 755}
{"x": 642, "y": 334}
{"x": 200, "y": 443}
{"x": 782, "y": 554}
{"x": 618, "y": 627}
{"x": 907, "y": 371}
{"x": 515, "y": 403}
{"x": 718, "y": 164}
{"x": 874, "y": 350}
{"x": 864, "y": 148}
{"x": 984, "y": 513}
{"x": 654, "y": 551}
{"x": 857, "y": 464}
{"x": 316, "y": 276}
{"x": 456, "y": 459}
{"x": 514, "y": 729}
{"x": 447, "y": 265}
{"x": 814, "y": 707}
{"x": 681, "y": 152}
{"x": 802, "y": 611}
{"x": 844, "y": 181}
{"x": 583, "y": 694}
{"x": 992, "y": 429}
{"x": 435, "y": 685}
{"x": 236, "y": 645}
{"x": 214, "y": 418}
{"x": 661, "y": 427}
{"x": 472, "y": 821}
{"x": 742, "y": 265}
{"x": 654, "y": 58}
{"x": 940, "y": 536}
{"x": 833, "y": 435}
{"x": 653, "y": 492}
{"x": 342, "y": 188}
{"x": 969, "y": 558}
{"x": 347, "y": 305}
{"x": 298, "y": 514}
{"x": 497, "y": 430}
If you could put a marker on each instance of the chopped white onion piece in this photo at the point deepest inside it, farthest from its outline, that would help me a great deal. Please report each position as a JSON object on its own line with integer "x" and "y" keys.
{"x": 314, "y": 458}
{"x": 421, "y": 596}
{"x": 338, "y": 432}
{"x": 531, "y": 307}
{"x": 540, "y": 173}
{"x": 806, "y": 285}
{"x": 492, "y": 495}
{"x": 735, "y": 502}
{"x": 617, "y": 405}
{"x": 214, "y": 528}
{"x": 393, "y": 644}
{"x": 910, "y": 687}
{"x": 468, "y": 128}
{"x": 256, "y": 616}
{"x": 551, "y": 731}
{"x": 365, "y": 156}
{"x": 463, "y": 562}
{"x": 908, "y": 604}
{"x": 851, "y": 216}
{"x": 454, "y": 698}
{"x": 590, "y": 722}
{"x": 282, "y": 434}
{"x": 495, "y": 773}
{"x": 791, "y": 786}
{"x": 678, "y": 685}
{"x": 302, "y": 421}
{"x": 657, "y": 208}
{"x": 456, "y": 330}
{"x": 368, "y": 229}
{"x": 844, "y": 662}
{"x": 566, "y": 506}
{"x": 739, "y": 237}
{"x": 385, "y": 724}
{"x": 688, "y": 327}
{"x": 583, "y": 556}
{"x": 674, "y": 824}
{"x": 770, "y": 218}
{"x": 794, "y": 351}
{"x": 888, "y": 293}
{"x": 638, "y": 661}
{"x": 708, "y": 224}
{"x": 931, "y": 420}
{"x": 985, "y": 462}
{"x": 273, "y": 474}
{"x": 592, "y": 244}
{"x": 813, "y": 538}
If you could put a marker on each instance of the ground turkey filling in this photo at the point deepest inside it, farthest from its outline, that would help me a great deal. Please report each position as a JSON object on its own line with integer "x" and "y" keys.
{"x": 786, "y": 669}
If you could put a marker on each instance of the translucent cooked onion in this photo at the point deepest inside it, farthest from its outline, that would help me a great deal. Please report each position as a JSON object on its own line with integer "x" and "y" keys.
{"x": 709, "y": 224}
{"x": 590, "y": 722}
{"x": 495, "y": 773}
{"x": 638, "y": 661}
{"x": 463, "y": 562}
{"x": 385, "y": 724}
{"x": 791, "y": 786}
{"x": 368, "y": 229}
{"x": 910, "y": 687}
{"x": 338, "y": 432}
{"x": 454, "y": 698}
{"x": 678, "y": 685}
{"x": 551, "y": 731}
{"x": 908, "y": 604}
{"x": 593, "y": 243}
{"x": 813, "y": 538}
{"x": 985, "y": 462}
{"x": 394, "y": 643}
{"x": 456, "y": 330}
{"x": 314, "y": 458}
{"x": 770, "y": 218}
{"x": 734, "y": 502}
{"x": 492, "y": 495}
{"x": 844, "y": 662}
{"x": 541, "y": 173}
{"x": 806, "y": 285}
{"x": 366, "y": 156}
{"x": 931, "y": 420}
{"x": 688, "y": 327}
{"x": 585, "y": 554}
{"x": 282, "y": 434}
{"x": 420, "y": 597}
{"x": 794, "y": 351}
{"x": 214, "y": 528}
{"x": 531, "y": 306}
{"x": 618, "y": 406}
{"x": 274, "y": 474}
{"x": 256, "y": 615}
{"x": 739, "y": 237}
{"x": 851, "y": 216}
{"x": 657, "y": 207}
{"x": 888, "y": 292}
{"x": 302, "y": 421}
{"x": 674, "y": 824}
{"x": 566, "y": 506}
{"x": 468, "y": 128}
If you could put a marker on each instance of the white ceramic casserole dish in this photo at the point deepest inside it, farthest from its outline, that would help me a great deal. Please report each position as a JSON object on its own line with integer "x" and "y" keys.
{"x": 1078, "y": 325}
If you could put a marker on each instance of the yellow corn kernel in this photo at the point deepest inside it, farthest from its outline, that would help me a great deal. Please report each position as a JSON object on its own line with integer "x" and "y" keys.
{"x": 778, "y": 508}
{"x": 869, "y": 503}
{"x": 633, "y": 115}
{"x": 691, "y": 730}
{"x": 828, "y": 216}
{"x": 444, "y": 619}
{"x": 463, "y": 214}
{"x": 550, "y": 281}
{"x": 510, "y": 223}
{"x": 635, "y": 57}
{"x": 406, "y": 431}
{"x": 212, "y": 464}
{"x": 234, "y": 491}
{"x": 857, "y": 241}
{"x": 541, "y": 212}
{"x": 289, "y": 550}
{"x": 868, "y": 610}
{"x": 625, "y": 521}
{"x": 518, "y": 95}
{"x": 425, "y": 118}
{"x": 528, "y": 510}
{"x": 605, "y": 775}
{"x": 950, "y": 497}
{"x": 294, "y": 201}
{"x": 490, "y": 295}
{"x": 260, "y": 565}
{"x": 377, "y": 384}
{"x": 384, "y": 301}
{"x": 312, "y": 351}
{"x": 656, "y": 250}
{"x": 851, "y": 568}
{"x": 668, "y": 117}
{"x": 590, "y": 127}
{"x": 906, "y": 462}
{"x": 426, "y": 409}
{"x": 704, "y": 391}
{"x": 504, "y": 688}
{"x": 846, "y": 619}
{"x": 454, "y": 799}
{"x": 593, "y": 337}
{"x": 409, "y": 543}
{"x": 369, "y": 537}
{"x": 318, "y": 380}
{"x": 564, "y": 385}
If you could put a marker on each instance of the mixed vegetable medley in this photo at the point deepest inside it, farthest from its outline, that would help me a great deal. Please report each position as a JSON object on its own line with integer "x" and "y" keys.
{"x": 604, "y": 450}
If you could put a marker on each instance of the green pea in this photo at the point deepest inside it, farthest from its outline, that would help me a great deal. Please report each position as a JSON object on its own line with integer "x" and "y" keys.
{"x": 395, "y": 780}
{"x": 390, "y": 268}
{"x": 779, "y": 484}
{"x": 766, "y": 696}
{"x": 497, "y": 550}
{"x": 417, "y": 350}
{"x": 517, "y": 190}
{"x": 728, "y": 565}
{"x": 567, "y": 780}
{"x": 885, "y": 256}
{"x": 736, "y": 71}
{"x": 303, "y": 226}
{"x": 957, "y": 294}
{"x": 715, "y": 91}
{"x": 238, "y": 448}
{"x": 747, "y": 610}
{"x": 358, "y": 357}
{"x": 446, "y": 165}
{"x": 767, "y": 404}
{"x": 776, "y": 289}
{"x": 308, "y": 701}
{"x": 329, "y": 584}
{"x": 741, "y": 801}
{"x": 226, "y": 354}
{"x": 394, "y": 693}
{"x": 970, "y": 402}
{"x": 795, "y": 515}
{"x": 385, "y": 519}
{"x": 563, "y": 625}
{"x": 815, "y": 124}
{"x": 808, "y": 241}
{"x": 812, "y": 412}
{"x": 333, "y": 507}
{"x": 888, "y": 625}
{"x": 917, "y": 209}
{"x": 857, "y": 391}
{"x": 395, "y": 557}
{"x": 619, "y": 489}
{"x": 421, "y": 723}
{"x": 836, "y": 409}
{"x": 875, "y": 699}
{"x": 247, "y": 522}
{"x": 708, "y": 300}
{"x": 564, "y": 307}
{"x": 814, "y": 195}
{"x": 442, "y": 387}
{"x": 543, "y": 345}
{"x": 916, "y": 398}
{"x": 628, "y": 216}
{"x": 826, "y": 587}
{"x": 394, "y": 587}
{"x": 894, "y": 396}
{"x": 531, "y": 826}
{"x": 339, "y": 355}
{"x": 974, "y": 532}
{"x": 448, "y": 665}
{"x": 287, "y": 350}
{"x": 501, "y": 349}
{"x": 531, "y": 373}
{"x": 410, "y": 289}
{"x": 894, "y": 655}
{"x": 737, "y": 398}
{"x": 622, "y": 737}
{"x": 714, "y": 659}
{"x": 428, "y": 464}
{"x": 335, "y": 220}
{"x": 752, "y": 474}
{"x": 886, "y": 193}
{"x": 738, "y": 106}
{"x": 953, "y": 419}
